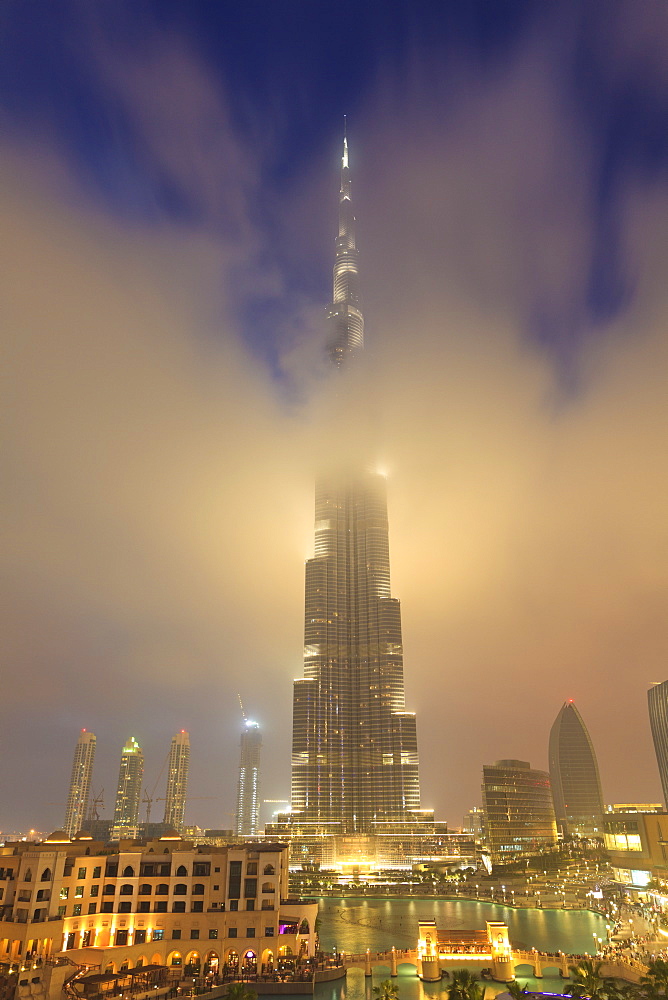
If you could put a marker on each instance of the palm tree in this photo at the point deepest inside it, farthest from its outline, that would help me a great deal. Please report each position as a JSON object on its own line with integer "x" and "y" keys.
{"x": 465, "y": 986}
{"x": 386, "y": 990}
{"x": 516, "y": 991}
{"x": 655, "y": 983}
{"x": 588, "y": 982}
{"x": 240, "y": 991}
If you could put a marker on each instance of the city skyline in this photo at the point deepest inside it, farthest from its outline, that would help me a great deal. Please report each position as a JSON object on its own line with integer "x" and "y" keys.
{"x": 169, "y": 205}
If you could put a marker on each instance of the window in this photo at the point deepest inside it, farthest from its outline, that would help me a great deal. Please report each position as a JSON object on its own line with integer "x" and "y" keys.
{"x": 231, "y": 932}
{"x": 46, "y": 875}
{"x": 162, "y": 889}
{"x": 78, "y": 890}
{"x": 216, "y": 869}
{"x": 216, "y": 887}
{"x": 109, "y": 889}
{"x": 269, "y": 932}
{"x": 234, "y": 881}
{"x": 158, "y": 934}
{"x": 179, "y": 906}
{"x": 76, "y": 910}
{"x": 107, "y": 907}
{"x": 164, "y": 870}
{"x": 144, "y": 906}
{"x": 92, "y": 907}
{"x": 160, "y": 907}
{"x": 181, "y": 871}
{"x": 61, "y": 911}
{"x": 202, "y": 868}
{"x": 145, "y": 889}
{"x": 180, "y": 889}
{"x": 97, "y": 872}
{"x": 250, "y": 932}
{"x": 234, "y": 904}
{"x": 94, "y": 890}
{"x": 197, "y": 906}
{"x": 250, "y": 887}
{"x": 87, "y": 939}
{"x": 194, "y": 934}
{"x": 176, "y": 934}
{"x": 28, "y": 875}
{"x": 128, "y": 872}
{"x": 269, "y": 870}
{"x": 64, "y": 892}
{"x": 251, "y": 868}
{"x": 140, "y": 937}
{"x": 213, "y": 933}
{"x": 111, "y": 869}
{"x": 121, "y": 938}
{"x": 125, "y": 907}
{"x": 81, "y": 873}
{"x": 147, "y": 870}
{"x": 127, "y": 889}
{"x": 198, "y": 889}
{"x": 250, "y": 904}
{"x": 41, "y": 894}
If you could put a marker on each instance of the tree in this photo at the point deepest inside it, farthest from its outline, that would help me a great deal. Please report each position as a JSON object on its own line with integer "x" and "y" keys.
{"x": 655, "y": 983}
{"x": 386, "y": 990}
{"x": 465, "y": 986}
{"x": 240, "y": 991}
{"x": 516, "y": 991}
{"x": 588, "y": 982}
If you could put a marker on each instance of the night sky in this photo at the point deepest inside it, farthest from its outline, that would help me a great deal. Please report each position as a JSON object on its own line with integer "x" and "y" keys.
{"x": 168, "y": 187}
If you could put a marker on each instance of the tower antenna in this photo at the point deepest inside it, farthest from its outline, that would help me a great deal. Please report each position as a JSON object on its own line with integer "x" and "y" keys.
{"x": 241, "y": 706}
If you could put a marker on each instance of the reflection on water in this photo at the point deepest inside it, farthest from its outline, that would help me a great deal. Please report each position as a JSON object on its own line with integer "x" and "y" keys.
{"x": 354, "y": 924}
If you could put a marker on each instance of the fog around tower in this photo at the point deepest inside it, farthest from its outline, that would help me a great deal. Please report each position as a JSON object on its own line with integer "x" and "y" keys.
{"x": 161, "y": 470}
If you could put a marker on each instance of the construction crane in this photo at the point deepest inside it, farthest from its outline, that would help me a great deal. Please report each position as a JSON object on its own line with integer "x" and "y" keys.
{"x": 150, "y": 799}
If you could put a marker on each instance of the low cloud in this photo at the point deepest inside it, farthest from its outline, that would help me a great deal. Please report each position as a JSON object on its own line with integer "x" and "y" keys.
{"x": 160, "y": 503}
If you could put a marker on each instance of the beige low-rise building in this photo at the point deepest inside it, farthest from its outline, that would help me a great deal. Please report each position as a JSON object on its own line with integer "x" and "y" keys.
{"x": 104, "y": 909}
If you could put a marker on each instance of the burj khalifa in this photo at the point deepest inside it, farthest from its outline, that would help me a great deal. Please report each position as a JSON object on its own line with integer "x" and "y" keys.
{"x": 354, "y": 745}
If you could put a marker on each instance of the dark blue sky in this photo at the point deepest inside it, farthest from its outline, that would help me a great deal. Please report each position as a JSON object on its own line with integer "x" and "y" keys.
{"x": 168, "y": 187}
{"x": 290, "y": 70}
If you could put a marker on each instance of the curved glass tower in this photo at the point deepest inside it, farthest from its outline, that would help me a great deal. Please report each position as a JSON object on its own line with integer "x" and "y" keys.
{"x": 576, "y": 786}
{"x": 354, "y": 747}
{"x": 657, "y": 698}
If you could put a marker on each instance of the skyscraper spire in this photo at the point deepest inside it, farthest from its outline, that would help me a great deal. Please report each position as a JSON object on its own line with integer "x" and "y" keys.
{"x": 344, "y": 315}
{"x": 354, "y": 746}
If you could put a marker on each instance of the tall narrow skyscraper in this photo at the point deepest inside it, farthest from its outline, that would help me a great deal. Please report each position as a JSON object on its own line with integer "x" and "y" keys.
{"x": 82, "y": 769}
{"x": 657, "y": 698}
{"x": 177, "y": 781}
{"x": 248, "y": 788}
{"x": 128, "y": 794}
{"x": 354, "y": 747}
{"x": 576, "y": 786}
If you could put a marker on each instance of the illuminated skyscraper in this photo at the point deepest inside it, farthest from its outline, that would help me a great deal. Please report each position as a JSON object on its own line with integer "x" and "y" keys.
{"x": 657, "y": 698}
{"x": 177, "y": 781}
{"x": 128, "y": 795}
{"x": 248, "y": 789}
{"x": 82, "y": 769}
{"x": 354, "y": 747}
{"x": 519, "y": 815}
{"x": 576, "y": 786}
